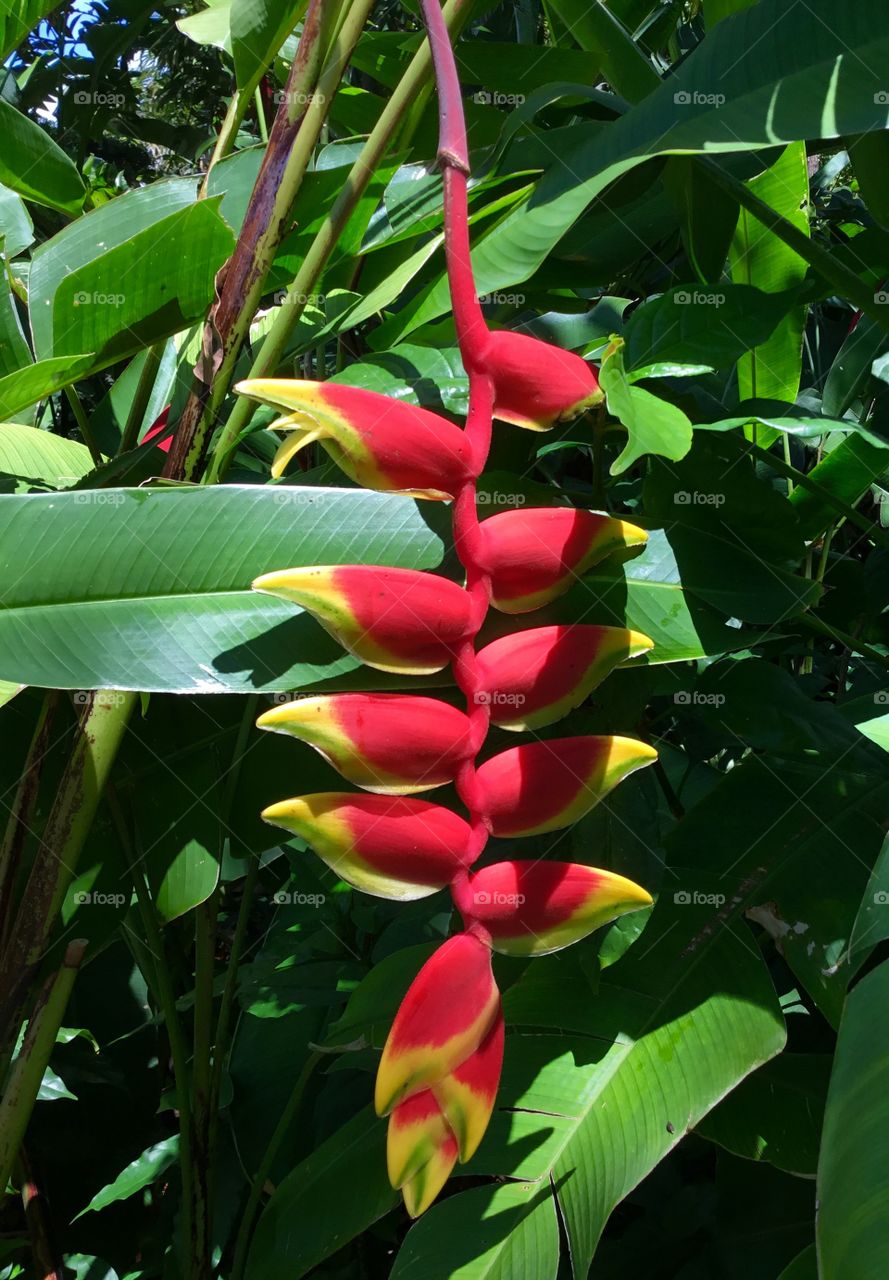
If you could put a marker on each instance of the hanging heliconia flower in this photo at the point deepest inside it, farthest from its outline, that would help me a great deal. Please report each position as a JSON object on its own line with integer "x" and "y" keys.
{"x": 438, "y": 1076}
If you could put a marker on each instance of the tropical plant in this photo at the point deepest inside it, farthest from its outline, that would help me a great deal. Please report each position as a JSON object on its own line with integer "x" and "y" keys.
{"x": 663, "y": 256}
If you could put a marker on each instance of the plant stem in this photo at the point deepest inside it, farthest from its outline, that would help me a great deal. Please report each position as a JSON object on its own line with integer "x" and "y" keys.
{"x": 240, "y": 284}
{"x": 845, "y": 638}
{"x": 144, "y": 388}
{"x": 245, "y": 1229}
{"x": 840, "y": 277}
{"x": 205, "y": 950}
{"x": 260, "y": 115}
{"x": 306, "y": 279}
{"x": 99, "y": 732}
{"x": 83, "y": 423}
{"x": 30, "y": 1065}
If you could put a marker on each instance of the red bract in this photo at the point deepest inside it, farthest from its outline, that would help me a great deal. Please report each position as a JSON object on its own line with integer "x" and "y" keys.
{"x": 389, "y": 846}
{"x": 536, "y": 384}
{"x": 381, "y": 443}
{"x": 542, "y": 786}
{"x": 438, "y": 1075}
{"x": 536, "y": 554}
{"x": 535, "y": 677}
{"x": 392, "y": 619}
{"x": 533, "y": 908}
{"x": 390, "y": 743}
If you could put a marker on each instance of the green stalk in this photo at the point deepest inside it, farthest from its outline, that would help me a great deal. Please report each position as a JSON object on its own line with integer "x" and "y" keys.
{"x": 840, "y": 277}
{"x": 260, "y": 116}
{"x": 234, "y": 116}
{"x": 205, "y": 949}
{"x": 844, "y": 638}
{"x": 80, "y": 788}
{"x": 245, "y": 1229}
{"x": 414, "y": 80}
{"x": 30, "y": 1065}
{"x": 144, "y": 388}
{"x": 304, "y": 106}
{"x": 83, "y": 423}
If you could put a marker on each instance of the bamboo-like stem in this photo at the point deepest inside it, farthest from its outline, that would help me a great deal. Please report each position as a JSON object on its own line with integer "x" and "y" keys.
{"x": 844, "y": 280}
{"x": 83, "y": 423}
{"x": 260, "y": 116}
{"x": 304, "y": 106}
{"x": 245, "y": 1228}
{"x": 144, "y": 387}
{"x": 100, "y": 730}
{"x": 304, "y": 283}
{"x": 22, "y": 811}
{"x": 30, "y": 1065}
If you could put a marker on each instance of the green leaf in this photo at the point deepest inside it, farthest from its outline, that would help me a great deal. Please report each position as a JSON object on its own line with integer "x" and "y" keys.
{"x": 210, "y": 26}
{"x": 53, "y": 1088}
{"x": 16, "y": 227}
{"x": 853, "y": 1172}
{"x": 258, "y": 29}
{"x": 37, "y": 381}
{"x": 847, "y": 472}
{"x": 17, "y": 19}
{"x": 872, "y": 921}
{"x": 622, "y": 63}
{"x": 870, "y": 159}
{"x": 712, "y": 326}
{"x": 31, "y": 457}
{"x": 34, "y": 166}
{"x": 773, "y": 73}
{"x": 152, "y": 286}
{"x": 653, "y": 425}
{"x": 297, "y": 1229}
{"x": 772, "y": 369}
{"x": 141, "y": 1172}
{"x": 490, "y": 1233}
{"x": 89, "y": 238}
{"x": 707, "y": 216}
{"x": 111, "y": 563}
{"x": 775, "y": 1114}
{"x": 14, "y": 350}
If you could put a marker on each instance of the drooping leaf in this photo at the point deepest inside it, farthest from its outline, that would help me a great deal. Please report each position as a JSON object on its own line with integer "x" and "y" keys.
{"x": 141, "y": 1172}
{"x": 35, "y": 166}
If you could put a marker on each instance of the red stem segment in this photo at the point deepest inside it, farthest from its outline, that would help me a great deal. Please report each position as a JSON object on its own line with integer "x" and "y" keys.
{"x": 472, "y": 338}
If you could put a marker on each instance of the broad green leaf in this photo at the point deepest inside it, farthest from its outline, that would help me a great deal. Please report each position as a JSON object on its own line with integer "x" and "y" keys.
{"x": 92, "y": 236}
{"x": 771, "y": 370}
{"x": 37, "y": 381}
{"x": 853, "y": 1172}
{"x": 847, "y": 472}
{"x": 8, "y": 691}
{"x": 211, "y": 25}
{"x": 772, "y": 74}
{"x": 707, "y": 216}
{"x": 17, "y": 19}
{"x": 16, "y": 227}
{"x": 870, "y": 159}
{"x": 622, "y": 63}
{"x": 141, "y": 1172}
{"x": 490, "y": 1233}
{"x": 112, "y": 564}
{"x": 258, "y": 29}
{"x": 851, "y": 370}
{"x": 30, "y": 457}
{"x": 872, "y": 921}
{"x": 53, "y": 1088}
{"x": 653, "y": 425}
{"x": 775, "y": 1114}
{"x": 35, "y": 166}
{"x": 148, "y": 288}
{"x": 14, "y": 350}
{"x": 702, "y": 325}
{"x": 297, "y": 1230}
{"x": 687, "y": 1013}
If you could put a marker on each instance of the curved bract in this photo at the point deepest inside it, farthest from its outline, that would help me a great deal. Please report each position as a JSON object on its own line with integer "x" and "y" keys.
{"x": 440, "y": 1067}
